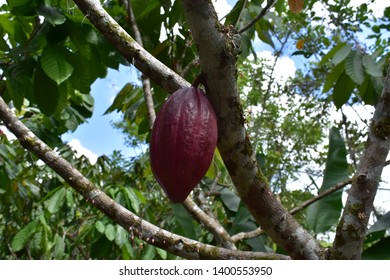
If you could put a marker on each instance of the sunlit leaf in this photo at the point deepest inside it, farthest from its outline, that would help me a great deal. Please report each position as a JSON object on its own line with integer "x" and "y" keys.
{"x": 110, "y": 232}
{"x": 371, "y": 67}
{"x": 341, "y": 54}
{"x": 354, "y": 66}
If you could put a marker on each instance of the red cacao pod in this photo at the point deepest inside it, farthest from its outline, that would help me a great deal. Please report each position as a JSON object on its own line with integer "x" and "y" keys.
{"x": 183, "y": 141}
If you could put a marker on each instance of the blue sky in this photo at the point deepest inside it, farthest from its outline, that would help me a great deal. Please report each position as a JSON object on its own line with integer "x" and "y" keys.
{"x": 97, "y": 134}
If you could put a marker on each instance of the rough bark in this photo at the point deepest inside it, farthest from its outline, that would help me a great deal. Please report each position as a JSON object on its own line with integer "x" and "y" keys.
{"x": 136, "y": 226}
{"x": 217, "y": 48}
{"x": 352, "y": 228}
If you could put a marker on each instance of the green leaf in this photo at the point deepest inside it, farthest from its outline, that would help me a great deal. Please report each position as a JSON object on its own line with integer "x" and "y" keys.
{"x": 55, "y": 65}
{"x": 52, "y": 14}
{"x": 331, "y": 53}
{"x": 121, "y": 236}
{"x": 341, "y": 54}
{"x": 342, "y": 90}
{"x": 46, "y": 92}
{"x": 383, "y": 223}
{"x": 20, "y": 239}
{"x": 262, "y": 29}
{"x": 367, "y": 92}
{"x": 149, "y": 253}
{"x": 100, "y": 226}
{"x": 110, "y": 232}
{"x": 354, "y": 66}
{"x": 162, "y": 253}
{"x": 134, "y": 201}
{"x": 22, "y": 7}
{"x": 184, "y": 220}
{"x": 379, "y": 251}
{"x": 56, "y": 201}
{"x": 324, "y": 213}
{"x": 371, "y": 67}
{"x": 333, "y": 77}
{"x": 230, "y": 199}
{"x": 59, "y": 247}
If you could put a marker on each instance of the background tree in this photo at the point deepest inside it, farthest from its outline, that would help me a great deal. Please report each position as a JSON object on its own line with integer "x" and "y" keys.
{"x": 270, "y": 131}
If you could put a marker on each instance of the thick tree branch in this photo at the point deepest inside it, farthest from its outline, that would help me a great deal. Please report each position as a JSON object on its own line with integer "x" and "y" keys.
{"x": 351, "y": 231}
{"x": 129, "y": 48}
{"x": 136, "y": 226}
{"x": 217, "y": 58}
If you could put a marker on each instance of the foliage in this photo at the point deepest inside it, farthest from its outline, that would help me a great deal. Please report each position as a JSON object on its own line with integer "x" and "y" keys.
{"x": 50, "y": 55}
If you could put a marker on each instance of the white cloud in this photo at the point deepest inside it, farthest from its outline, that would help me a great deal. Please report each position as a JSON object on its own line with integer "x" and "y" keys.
{"x": 222, "y": 8}
{"x": 284, "y": 67}
{"x": 81, "y": 150}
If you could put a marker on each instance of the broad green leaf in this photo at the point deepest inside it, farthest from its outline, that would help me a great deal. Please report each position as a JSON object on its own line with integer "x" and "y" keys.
{"x": 383, "y": 223}
{"x": 121, "y": 236}
{"x": 341, "y": 54}
{"x": 20, "y": 239}
{"x": 100, "y": 226}
{"x": 342, "y": 90}
{"x": 354, "y": 66}
{"x": 52, "y": 14}
{"x": 162, "y": 253}
{"x": 110, "y": 232}
{"x": 56, "y": 201}
{"x": 149, "y": 253}
{"x": 324, "y": 213}
{"x": 367, "y": 92}
{"x": 134, "y": 201}
{"x": 22, "y": 7}
{"x": 333, "y": 77}
{"x": 184, "y": 220}
{"x": 378, "y": 251}
{"x": 46, "y": 92}
{"x": 54, "y": 64}
{"x": 230, "y": 199}
{"x": 331, "y": 53}
{"x": 59, "y": 247}
{"x": 233, "y": 15}
{"x": 371, "y": 67}
{"x": 262, "y": 29}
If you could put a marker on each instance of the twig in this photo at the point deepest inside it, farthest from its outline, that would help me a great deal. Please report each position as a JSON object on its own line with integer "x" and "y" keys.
{"x": 269, "y": 5}
{"x": 145, "y": 80}
{"x": 210, "y": 223}
{"x": 247, "y": 235}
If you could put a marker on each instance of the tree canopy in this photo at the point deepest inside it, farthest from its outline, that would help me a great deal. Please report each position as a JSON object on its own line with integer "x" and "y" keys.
{"x": 273, "y": 133}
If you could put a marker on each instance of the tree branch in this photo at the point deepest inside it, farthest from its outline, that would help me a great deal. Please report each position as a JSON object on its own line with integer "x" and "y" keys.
{"x": 211, "y": 224}
{"x": 145, "y": 80}
{"x": 129, "y": 48}
{"x": 351, "y": 231}
{"x": 218, "y": 61}
{"x": 269, "y": 5}
{"x": 137, "y": 227}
